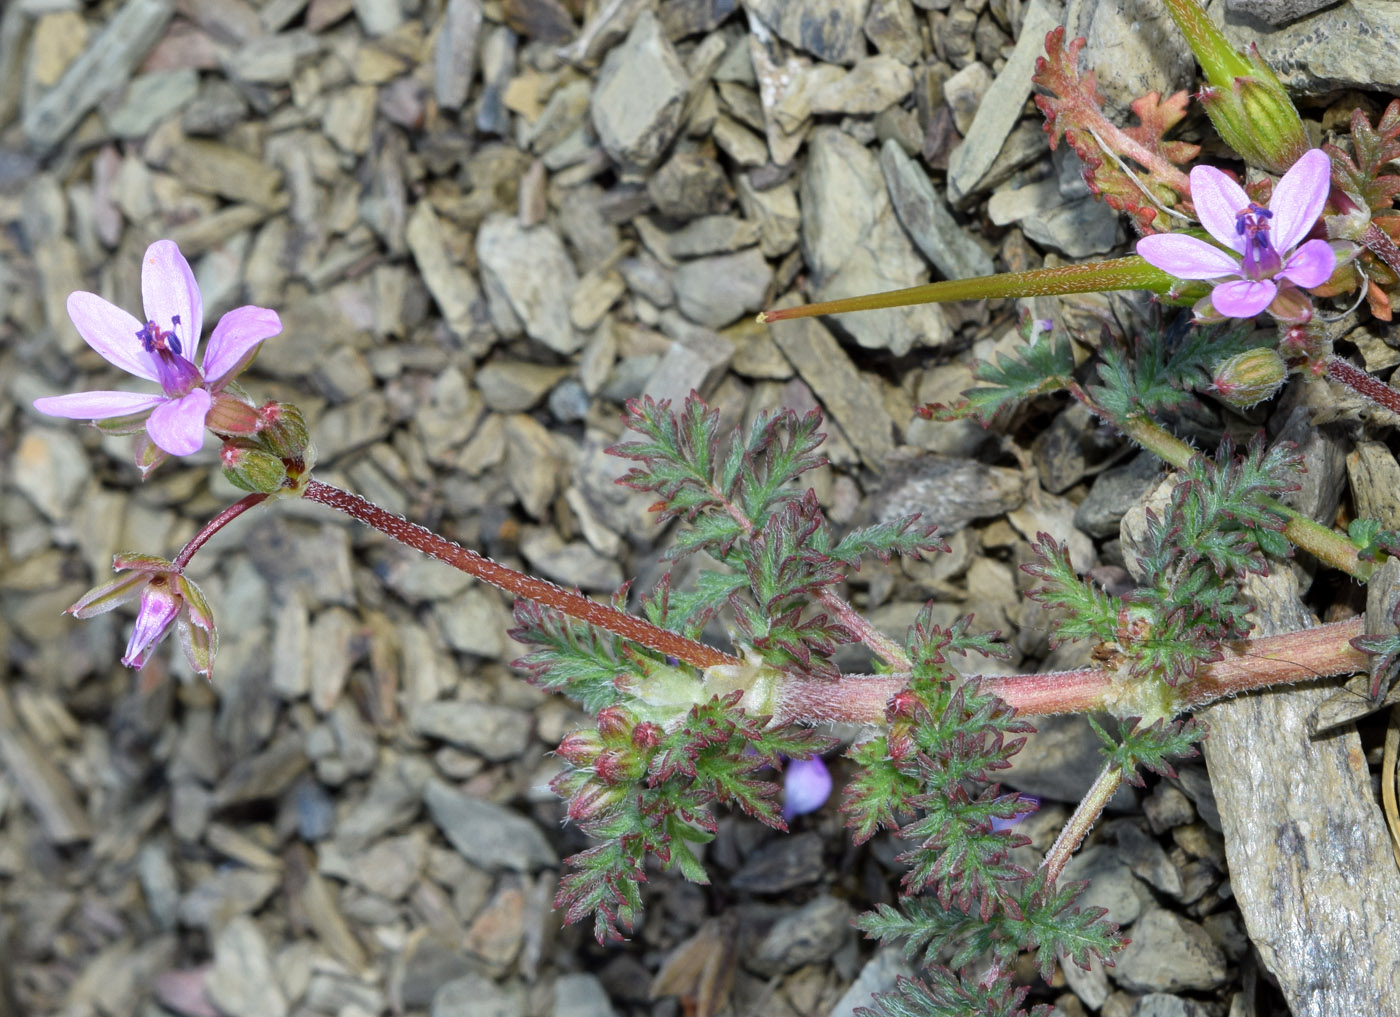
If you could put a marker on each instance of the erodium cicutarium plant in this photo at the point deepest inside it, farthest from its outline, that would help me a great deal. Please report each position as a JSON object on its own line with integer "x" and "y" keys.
{"x": 681, "y": 724}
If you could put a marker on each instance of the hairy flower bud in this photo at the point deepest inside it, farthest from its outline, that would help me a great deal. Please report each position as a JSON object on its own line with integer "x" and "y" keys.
{"x": 285, "y": 435}
{"x": 232, "y": 416}
{"x": 647, "y": 735}
{"x": 618, "y": 766}
{"x": 615, "y": 724}
{"x": 1250, "y": 377}
{"x": 251, "y": 468}
{"x": 580, "y": 748}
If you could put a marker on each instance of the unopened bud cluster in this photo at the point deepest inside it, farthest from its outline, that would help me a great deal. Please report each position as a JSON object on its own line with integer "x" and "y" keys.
{"x": 271, "y": 453}
{"x": 605, "y": 762}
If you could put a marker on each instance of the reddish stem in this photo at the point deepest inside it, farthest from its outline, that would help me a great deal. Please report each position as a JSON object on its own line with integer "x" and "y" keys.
{"x": 570, "y": 602}
{"x": 1321, "y": 652}
{"x": 1379, "y": 243}
{"x": 214, "y": 525}
{"x": 1363, "y": 384}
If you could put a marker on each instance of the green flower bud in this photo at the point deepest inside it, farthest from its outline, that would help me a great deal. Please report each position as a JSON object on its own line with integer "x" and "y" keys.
{"x": 250, "y": 468}
{"x": 1250, "y": 377}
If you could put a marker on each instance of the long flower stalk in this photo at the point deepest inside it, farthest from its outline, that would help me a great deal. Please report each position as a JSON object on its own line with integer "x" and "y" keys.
{"x": 570, "y": 602}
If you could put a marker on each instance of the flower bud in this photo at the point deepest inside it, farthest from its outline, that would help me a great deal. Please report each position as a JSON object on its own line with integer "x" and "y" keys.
{"x": 615, "y": 724}
{"x": 1291, "y": 306}
{"x": 580, "y": 748}
{"x": 647, "y": 735}
{"x": 250, "y": 468}
{"x": 284, "y": 433}
{"x": 229, "y": 415}
{"x": 618, "y": 766}
{"x": 1250, "y": 377}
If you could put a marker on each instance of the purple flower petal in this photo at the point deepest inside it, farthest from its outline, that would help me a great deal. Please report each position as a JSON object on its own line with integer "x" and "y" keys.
{"x": 1311, "y": 264}
{"x": 235, "y": 341}
{"x": 806, "y": 786}
{"x": 111, "y": 332}
{"x": 97, "y": 405}
{"x": 158, "y": 611}
{"x": 1298, "y": 199}
{"x": 168, "y": 291}
{"x": 1187, "y": 257}
{"x": 177, "y": 426}
{"x": 1218, "y": 199}
{"x": 1243, "y": 298}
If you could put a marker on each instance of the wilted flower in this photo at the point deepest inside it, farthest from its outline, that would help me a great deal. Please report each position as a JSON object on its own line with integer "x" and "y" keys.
{"x": 162, "y": 350}
{"x": 806, "y": 786}
{"x": 168, "y": 599}
{"x": 1261, "y": 263}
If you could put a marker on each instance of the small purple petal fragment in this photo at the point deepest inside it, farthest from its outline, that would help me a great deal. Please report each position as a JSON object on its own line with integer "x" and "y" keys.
{"x": 1186, "y": 257}
{"x": 168, "y": 291}
{"x": 1310, "y": 265}
{"x": 235, "y": 340}
{"x": 1243, "y": 298}
{"x": 177, "y": 425}
{"x": 97, "y": 405}
{"x": 806, "y": 786}
{"x": 1298, "y": 198}
{"x": 112, "y": 333}
{"x": 1218, "y": 199}
{"x": 1031, "y": 803}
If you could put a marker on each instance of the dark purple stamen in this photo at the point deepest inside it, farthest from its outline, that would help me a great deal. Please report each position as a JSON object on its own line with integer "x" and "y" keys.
{"x": 154, "y": 338}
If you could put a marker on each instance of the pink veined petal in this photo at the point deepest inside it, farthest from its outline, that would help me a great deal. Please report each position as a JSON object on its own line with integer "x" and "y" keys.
{"x": 159, "y": 609}
{"x": 1218, "y": 199}
{"x": 235, "y": 341}
{"x": 178, "y": 425}
{"x": 1243, "y": 298}
{"x": 1311, "y": 264}
{"x": 97, "y": 405}
{"x": 1187, "y": 257}
{"x": 168, "y": 290}
{"x": 111, "y": 332}
{"x": 1298, "y": 199}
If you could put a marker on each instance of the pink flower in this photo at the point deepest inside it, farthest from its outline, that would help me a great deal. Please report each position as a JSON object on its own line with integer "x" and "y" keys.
{"x": 1261, "y": 261}
{"x": 806, "y": 786}
{"x": 162, "y": 350}
{"x": 168, "y": 600}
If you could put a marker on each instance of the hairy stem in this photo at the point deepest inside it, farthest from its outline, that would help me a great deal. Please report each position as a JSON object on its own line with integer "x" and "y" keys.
{"x": 570, "y": 602}
{"x": 1322, "y": 652}
{"x": 1086, "y": 814}
{"x": 1131, "y": 273}
{"x": 1363, "y": 384}
{"x": 1379, "y": 243}
{"x": 1320, "y": 541}
{"x": 214, "y": 525}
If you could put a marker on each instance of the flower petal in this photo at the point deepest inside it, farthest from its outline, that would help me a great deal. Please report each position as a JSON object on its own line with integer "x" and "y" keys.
{"x": 235, "y": 341}
{"x": 1218, "y": 199}
{"x": 168, "y": 290}
{"x": 806, "y": 786}
{"x": 97, "y": 405}
{"x": 1187, "y": 257}
{"x": 178, "y": 425}
{"x": 1299, "y": 197}
{"x": 158, "y": 611}
{"x": 1243, "y": 298}
{"x": 1311, "y": 264}
{"x": 111, "y": 332}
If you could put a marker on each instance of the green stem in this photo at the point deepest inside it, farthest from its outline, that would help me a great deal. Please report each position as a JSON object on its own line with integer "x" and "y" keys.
{"x": 1131, "y": 273}
{"x": 1320, "y": 541}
